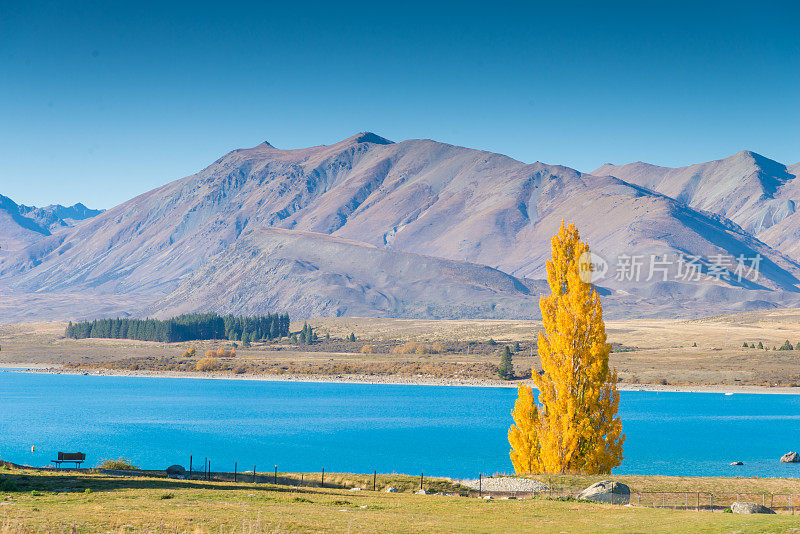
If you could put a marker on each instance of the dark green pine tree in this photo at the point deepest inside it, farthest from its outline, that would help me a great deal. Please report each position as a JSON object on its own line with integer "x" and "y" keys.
{"x": 506, "y": 368}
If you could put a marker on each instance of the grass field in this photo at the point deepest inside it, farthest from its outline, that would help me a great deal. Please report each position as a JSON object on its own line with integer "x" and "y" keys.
{"x": 47, "y": 501}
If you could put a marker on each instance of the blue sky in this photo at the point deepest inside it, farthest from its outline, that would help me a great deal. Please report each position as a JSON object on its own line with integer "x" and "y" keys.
{"x": 101, "y": 101}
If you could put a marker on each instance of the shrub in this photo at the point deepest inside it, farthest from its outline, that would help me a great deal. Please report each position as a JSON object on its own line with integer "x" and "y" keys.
{"x": 415, "y": 347}
{"x": 760, "y": 345}
{"x": 746, "y": 345}
{"x": 208, "y": 364}
{"x": 240, "y": 369}
{"x": 409, "y": 347}
{"x": 786, "y": 346}
{"x": 7, "y": 484}
{"x": 491, "y": 342}
{"x": 368, "y": 349}
{"x": 190, "y": 353}
{"x": 219, "y": 352}
{"x": 120, "y": 464}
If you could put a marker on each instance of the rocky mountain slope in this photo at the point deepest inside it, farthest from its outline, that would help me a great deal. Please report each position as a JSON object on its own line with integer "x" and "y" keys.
{"x": 21, "y": 225}
{"x": 313, "y": 230}
{"x": 755, "y": 192}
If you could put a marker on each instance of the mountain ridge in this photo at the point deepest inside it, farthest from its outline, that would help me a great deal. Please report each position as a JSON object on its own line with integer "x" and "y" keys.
{"x": 425, "y": 201}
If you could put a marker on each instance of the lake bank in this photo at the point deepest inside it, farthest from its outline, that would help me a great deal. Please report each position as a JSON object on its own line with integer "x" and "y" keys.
{"x": 389, "y": 380}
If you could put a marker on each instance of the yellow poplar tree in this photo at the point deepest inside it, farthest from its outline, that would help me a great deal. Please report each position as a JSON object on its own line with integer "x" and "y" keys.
{"x": 575, "y": 427}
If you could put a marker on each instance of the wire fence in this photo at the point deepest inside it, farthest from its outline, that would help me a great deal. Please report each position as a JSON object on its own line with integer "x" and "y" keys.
{"x": 676, "y": 500}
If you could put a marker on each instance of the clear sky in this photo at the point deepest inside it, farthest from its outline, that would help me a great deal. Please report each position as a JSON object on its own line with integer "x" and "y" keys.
{"x": 101, "y": 101}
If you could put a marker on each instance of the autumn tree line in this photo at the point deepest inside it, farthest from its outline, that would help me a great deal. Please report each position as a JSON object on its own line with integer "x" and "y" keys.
{"x": 187, "y": 327}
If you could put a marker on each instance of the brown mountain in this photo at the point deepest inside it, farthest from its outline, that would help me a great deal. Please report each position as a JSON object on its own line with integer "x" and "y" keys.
{"x": 416, "y": 202}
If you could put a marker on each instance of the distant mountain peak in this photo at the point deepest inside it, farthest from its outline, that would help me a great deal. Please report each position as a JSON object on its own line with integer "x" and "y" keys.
{"x": 368, "y": 137}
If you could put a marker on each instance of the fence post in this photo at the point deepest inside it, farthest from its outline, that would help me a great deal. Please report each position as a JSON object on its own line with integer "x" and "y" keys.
{"x": 190, "y": 467}
{"x": 374, "y": 479}
{"x": 254, "y": 474}
{"x": 301, "y": 478}
{"x": 480, "y": 485}
{"x": 322, "y": 482}
{"x": 698, "y": 501}
{"x": 235, "y": 468}
{"x": 711, "y": 504}
{"x": 276, "y": 475}
{"x": 421, "y": 479}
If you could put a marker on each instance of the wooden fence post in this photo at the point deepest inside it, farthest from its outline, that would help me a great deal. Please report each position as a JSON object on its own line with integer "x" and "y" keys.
{"x": 374, "y": 479}
{"x": 322, "y": 482}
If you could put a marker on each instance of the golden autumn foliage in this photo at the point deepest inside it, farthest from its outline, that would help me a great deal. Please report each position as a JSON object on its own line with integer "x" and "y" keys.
{"x": 190, "y": 353}
{"x": 415, "y": 347}
{"x": 368, "y": 349}
{"x": 219, "y": 352}
{"x": 208, "y": 364}
{"x": 574, "y": 428}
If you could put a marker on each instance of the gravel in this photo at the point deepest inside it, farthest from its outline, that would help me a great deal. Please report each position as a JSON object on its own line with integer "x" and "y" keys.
{"x": 506, "y": 484}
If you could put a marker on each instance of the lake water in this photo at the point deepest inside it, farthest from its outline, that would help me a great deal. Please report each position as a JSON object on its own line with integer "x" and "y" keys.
{"x": 450, "y": 431}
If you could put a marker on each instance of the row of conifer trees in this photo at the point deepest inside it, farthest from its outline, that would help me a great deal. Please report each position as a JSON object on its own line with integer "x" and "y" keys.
{"x": 187, "y": 327}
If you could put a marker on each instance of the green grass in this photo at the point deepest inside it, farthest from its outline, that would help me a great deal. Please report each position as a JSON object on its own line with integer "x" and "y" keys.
{"x": 44, "y": 501}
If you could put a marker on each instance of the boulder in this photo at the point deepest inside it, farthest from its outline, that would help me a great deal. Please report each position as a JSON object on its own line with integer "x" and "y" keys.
{"x": 607, "y": 491}
{"x": 737, "y": 463}
{"x": 790, "y": 458}
{"x": 390, "y": 489}
{"x": 176, "y": 470}
{"x": 421, "y": 492}
{"x": 750, "y": 508}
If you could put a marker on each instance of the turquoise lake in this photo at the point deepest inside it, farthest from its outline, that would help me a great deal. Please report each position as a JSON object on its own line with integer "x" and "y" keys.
{"x": 448, "y": 431}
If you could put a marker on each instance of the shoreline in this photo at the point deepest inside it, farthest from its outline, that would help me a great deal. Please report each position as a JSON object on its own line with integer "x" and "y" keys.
{"x": 383, "y": 380}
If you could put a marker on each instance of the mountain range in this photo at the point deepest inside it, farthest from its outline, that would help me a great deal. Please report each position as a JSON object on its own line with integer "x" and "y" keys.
{"x": 416, "y": 228}
{"x": 22, "y": 225}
